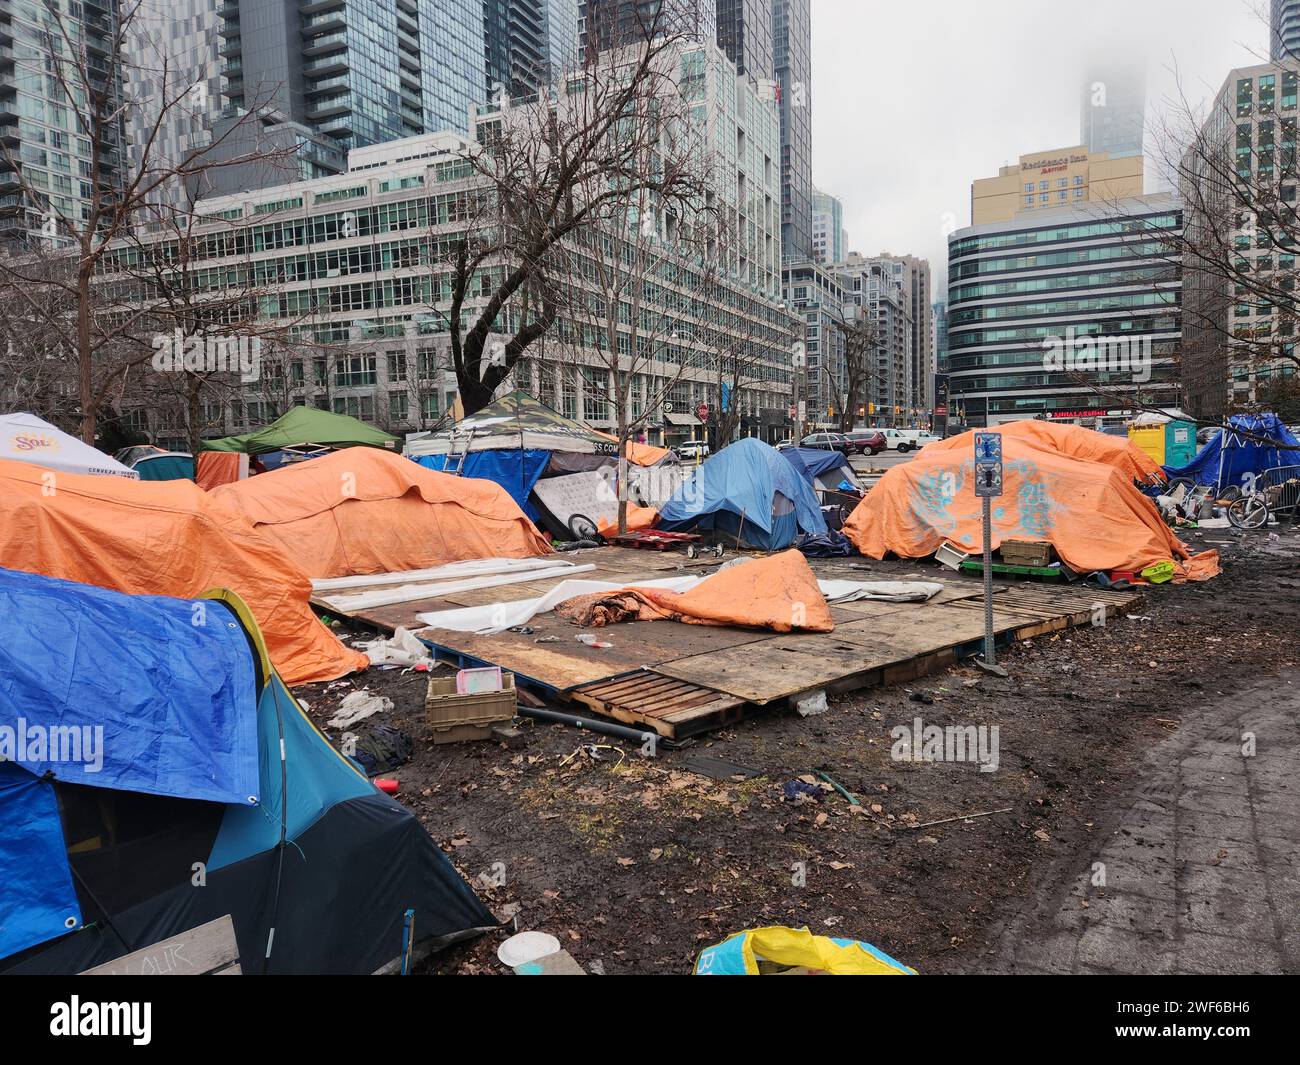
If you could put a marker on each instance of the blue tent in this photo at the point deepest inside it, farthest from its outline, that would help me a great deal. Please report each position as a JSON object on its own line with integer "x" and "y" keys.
{"x": 747, "y": 483}
{"x": 1230, "y": 458}
{"x": 813, "y": 463}
{"x": 157, "y": 775}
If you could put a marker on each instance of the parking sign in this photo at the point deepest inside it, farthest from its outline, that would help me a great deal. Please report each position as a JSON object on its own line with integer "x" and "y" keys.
{"x": 988, "y": 465}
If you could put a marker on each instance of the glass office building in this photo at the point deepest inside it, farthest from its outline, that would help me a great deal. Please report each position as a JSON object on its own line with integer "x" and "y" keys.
{"x": 792, "y": 48}
{"x": 360, "y": 73}
{"x": 1072, "y": 315}
{"x": 45, "y": 150}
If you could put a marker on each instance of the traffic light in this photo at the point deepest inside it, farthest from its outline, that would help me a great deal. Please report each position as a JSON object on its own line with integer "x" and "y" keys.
{"x": 871, "y": 408}
{"x": 862, "y": 410}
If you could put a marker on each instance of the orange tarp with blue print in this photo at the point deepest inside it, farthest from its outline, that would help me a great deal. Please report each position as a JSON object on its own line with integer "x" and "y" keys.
{"x": 1091, "y": 512}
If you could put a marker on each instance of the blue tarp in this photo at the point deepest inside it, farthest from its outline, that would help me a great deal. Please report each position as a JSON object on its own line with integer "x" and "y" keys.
{"x": 134, "y": 692}
{"x": 813, "y": 462}
{"x": 514, "y": 470}
{"x": 1232, "y": 459}
{"x": 747, "y": 482}
{"x": 37, "y": 899}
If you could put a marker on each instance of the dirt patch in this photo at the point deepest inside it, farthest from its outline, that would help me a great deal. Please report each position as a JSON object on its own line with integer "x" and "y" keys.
{"x": 637, "y": 864}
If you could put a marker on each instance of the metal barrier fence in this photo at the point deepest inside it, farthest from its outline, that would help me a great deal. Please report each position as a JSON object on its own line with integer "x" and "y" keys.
{"x": 1280, "y": 488}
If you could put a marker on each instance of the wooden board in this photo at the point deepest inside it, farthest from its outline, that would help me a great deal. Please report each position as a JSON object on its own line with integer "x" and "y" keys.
{"x": 208, "y": 950}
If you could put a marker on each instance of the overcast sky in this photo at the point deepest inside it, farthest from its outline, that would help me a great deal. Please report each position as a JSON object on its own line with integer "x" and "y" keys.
{"x": 913, "y": 99}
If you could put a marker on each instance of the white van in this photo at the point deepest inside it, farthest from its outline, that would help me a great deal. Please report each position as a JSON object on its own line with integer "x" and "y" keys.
{"x": 904, "y": 440}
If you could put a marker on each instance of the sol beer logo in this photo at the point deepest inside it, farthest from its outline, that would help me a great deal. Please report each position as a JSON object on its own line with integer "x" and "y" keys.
{"x": 34, "y": 442}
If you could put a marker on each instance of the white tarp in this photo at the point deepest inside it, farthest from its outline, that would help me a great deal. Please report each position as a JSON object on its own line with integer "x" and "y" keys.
{"x": 479, "y": 567}
{"x": 406, "y": 593}
{"x": 27, "y": 438}
{"x": 882, "y": 591}
{"x": 497, "y": 617}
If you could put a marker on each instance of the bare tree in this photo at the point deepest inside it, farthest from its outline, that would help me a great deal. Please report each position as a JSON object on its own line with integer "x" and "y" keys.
{"x": 635, "y": 312}
{"x": 205, "y": 323}
{"x": 611, "y": 132}
{"x": 53, "y": 281}
{"x": 862, "y": 341}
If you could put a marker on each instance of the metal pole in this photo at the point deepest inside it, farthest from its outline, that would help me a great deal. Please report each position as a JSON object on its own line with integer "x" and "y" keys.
{"x": 988, "y": 581}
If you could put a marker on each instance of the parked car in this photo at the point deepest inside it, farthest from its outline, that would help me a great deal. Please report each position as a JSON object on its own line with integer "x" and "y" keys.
{"x": 867, "y": 441}
{"x": 693, "y": 450}
{"x": 904, "y": 440}
{"x": 1206, "y": 434}
{"x": 828, "y": 442}
{"x": 786, "y": 444}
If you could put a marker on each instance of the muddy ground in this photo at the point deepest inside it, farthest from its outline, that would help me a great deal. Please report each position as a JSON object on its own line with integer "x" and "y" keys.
{"x": 637, "y": 864}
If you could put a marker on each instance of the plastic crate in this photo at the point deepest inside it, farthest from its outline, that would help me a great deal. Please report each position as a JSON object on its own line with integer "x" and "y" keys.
{"x": 1026, "y": 553}
{"x": 453, "y": 717}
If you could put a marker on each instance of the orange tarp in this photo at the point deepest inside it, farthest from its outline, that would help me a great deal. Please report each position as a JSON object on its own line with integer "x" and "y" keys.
{"x": 1073, "y": 441}
{"x": 215, "y": 468}
{"x": 1089, "y": 511}
{"x": 637, "y": 518}
{"x": 363, "y": 510}
{"x": 640, "y": 454}
{"x": 779, "y": 593}
{"x": 645, "y": 454}
{"x": 164, "y": 538}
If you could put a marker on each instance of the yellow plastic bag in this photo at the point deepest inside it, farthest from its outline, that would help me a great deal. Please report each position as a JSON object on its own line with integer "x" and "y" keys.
{"x": 739, "y": 954}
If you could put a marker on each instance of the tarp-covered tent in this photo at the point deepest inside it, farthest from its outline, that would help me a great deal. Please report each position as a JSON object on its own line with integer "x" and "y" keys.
{"x": 27, "y": 438}
{"x": 518, "y": 440}
{"x": 364, "y": 511}
{"x": 1073, "y": 441}
{"x": 306, "y": 427}
{"x": 166, "y": 538}
{"x": 1091, "y": 512}
{"x": 826, "y": 470}
{"x": 1233, "y": 458}
{"x": 191, "y": 749}
{"x": 746, "y": 491}
{"x": 155, "y": 464}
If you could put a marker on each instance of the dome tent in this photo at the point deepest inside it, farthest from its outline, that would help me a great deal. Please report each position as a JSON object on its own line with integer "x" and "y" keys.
{"x": 747, "y": 492}
{"x": 205, "y": 756}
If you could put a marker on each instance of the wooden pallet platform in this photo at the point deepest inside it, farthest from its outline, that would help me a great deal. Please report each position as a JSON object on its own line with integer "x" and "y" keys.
{"x": 679, "y": 680}
{"x": 675, "y": 709}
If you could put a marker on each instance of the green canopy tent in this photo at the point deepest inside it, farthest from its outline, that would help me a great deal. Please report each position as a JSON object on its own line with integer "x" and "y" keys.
{"x": 305, "y": 427}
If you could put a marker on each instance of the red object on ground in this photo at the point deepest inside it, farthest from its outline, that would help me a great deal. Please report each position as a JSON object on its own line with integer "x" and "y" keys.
{"x": 654, "y": 539}
{"x": 386, "y": 785}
